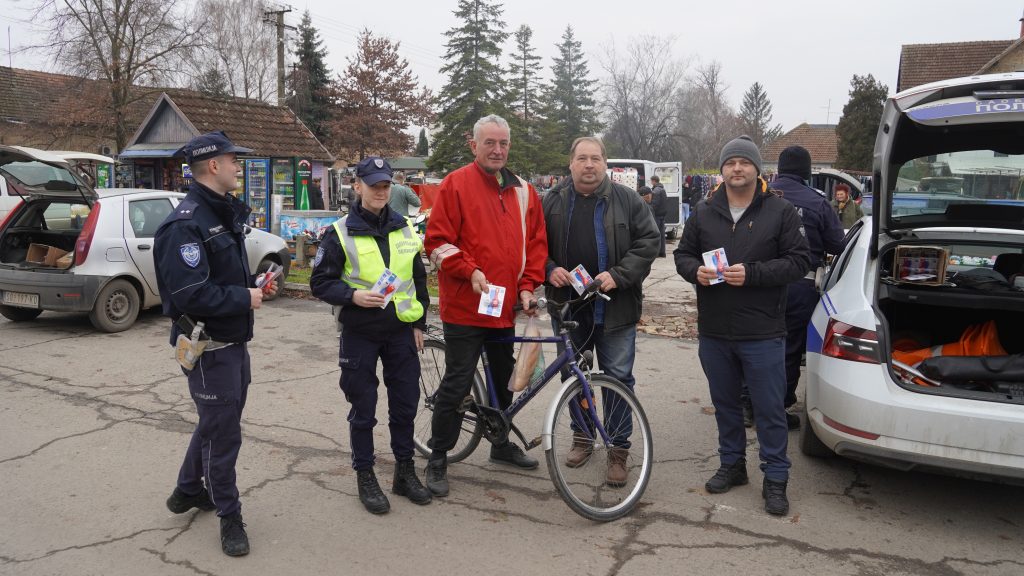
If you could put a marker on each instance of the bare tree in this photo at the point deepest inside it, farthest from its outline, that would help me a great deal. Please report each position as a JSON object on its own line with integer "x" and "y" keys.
{"x": 124, "y": 42}
{"x": 641, "y": 92}
{"x": 239, "y": 46}
{"x": 706, "y": 120}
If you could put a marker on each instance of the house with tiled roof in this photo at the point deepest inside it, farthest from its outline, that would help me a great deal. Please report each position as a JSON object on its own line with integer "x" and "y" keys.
{"x": 819, "y": 139}
{"x": 925, "y": 63}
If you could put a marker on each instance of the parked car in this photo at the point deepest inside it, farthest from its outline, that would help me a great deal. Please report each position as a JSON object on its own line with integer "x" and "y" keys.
{"x": 893, "y": 376}
{"x": 68, "y": 247}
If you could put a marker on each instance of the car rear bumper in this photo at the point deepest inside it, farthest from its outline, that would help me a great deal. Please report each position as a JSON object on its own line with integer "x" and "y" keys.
{"x": 57, "y": 291}
{"x": 846, "y": 399}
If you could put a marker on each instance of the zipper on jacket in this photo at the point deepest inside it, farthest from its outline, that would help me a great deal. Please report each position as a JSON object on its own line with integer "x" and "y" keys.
{"x": 501, "y": 198}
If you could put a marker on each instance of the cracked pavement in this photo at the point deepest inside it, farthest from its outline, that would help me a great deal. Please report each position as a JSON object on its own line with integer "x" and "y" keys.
{"x": 94, "y": 427}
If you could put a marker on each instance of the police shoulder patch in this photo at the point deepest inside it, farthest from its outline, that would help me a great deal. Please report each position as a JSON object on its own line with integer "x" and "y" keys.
{"x": 319, "y": 256}
{"x": 190, "y": 254}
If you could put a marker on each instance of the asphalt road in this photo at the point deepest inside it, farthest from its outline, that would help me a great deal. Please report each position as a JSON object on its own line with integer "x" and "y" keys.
{"x": 93, "y": 427}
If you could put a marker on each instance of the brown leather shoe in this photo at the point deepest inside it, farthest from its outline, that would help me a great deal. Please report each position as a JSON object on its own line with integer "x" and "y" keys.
{"x": 617, "y": 473}
{"x": 582, "y": 450}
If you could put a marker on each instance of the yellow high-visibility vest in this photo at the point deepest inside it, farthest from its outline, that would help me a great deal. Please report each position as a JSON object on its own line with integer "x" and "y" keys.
{"x": 364, "y": 264}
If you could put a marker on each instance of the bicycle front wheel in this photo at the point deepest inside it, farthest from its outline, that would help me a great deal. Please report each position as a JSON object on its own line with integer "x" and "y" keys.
{"x": 432, "y": 366}
{"x": 585, "y": 470}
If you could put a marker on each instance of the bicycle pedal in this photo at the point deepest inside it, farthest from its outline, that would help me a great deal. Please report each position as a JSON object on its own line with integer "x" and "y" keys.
{"x": 533, "y": 443}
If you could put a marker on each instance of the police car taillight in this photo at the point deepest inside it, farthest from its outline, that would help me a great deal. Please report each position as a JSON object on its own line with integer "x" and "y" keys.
{"x": 848, "y": 342}
{"x": 85, "y": 237}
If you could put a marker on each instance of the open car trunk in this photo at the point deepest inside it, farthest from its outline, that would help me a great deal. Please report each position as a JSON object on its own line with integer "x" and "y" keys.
{"x": 41, "y": 236}
{"x": 961, "y": 337}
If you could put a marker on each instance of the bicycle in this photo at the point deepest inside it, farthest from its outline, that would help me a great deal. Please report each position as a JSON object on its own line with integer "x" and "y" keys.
{"x": 572, "y": 416}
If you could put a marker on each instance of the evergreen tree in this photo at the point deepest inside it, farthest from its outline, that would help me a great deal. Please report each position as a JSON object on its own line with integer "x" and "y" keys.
{"x": 756, "y": 116}
{"x": 569, "y": 102}
{"x": 859, "y": 125}
{"x": 522, "y": 103}
{"x": 212, "y": 83}
{"x": 474, "y": 81}
{"x": 422, "y": 146}
{"x": 310, "y": 79}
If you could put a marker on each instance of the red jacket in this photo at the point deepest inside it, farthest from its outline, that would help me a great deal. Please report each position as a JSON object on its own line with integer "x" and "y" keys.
{"x": 474, "y": 224}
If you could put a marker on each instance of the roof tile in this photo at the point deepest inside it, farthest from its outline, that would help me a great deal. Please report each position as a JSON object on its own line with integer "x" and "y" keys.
{"x": 819, "y": 139}
{"x": 924, "y": 63}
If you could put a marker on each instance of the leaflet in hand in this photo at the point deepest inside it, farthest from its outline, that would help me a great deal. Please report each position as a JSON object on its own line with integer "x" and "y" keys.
{"x": 386, "y": 285}
{"x": 492, "y": 300}
{"x": 580, "y": 278}
{"x": 715, "y": 260}
{"x": 266, "y": 280}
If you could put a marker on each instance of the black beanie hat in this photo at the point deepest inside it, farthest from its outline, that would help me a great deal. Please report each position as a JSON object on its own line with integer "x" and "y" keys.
{"x": 795, "y": 160}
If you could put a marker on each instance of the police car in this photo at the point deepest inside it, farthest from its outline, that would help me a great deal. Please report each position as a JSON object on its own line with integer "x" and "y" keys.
{"x": 68, "y": 247}
{"x": 915, "y": 353}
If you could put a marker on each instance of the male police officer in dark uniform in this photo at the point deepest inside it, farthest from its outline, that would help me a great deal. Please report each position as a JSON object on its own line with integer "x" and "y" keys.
{"x": 203, "y": 275}
{"x": 824, "y": 235}
{"x": 371, "y": 243}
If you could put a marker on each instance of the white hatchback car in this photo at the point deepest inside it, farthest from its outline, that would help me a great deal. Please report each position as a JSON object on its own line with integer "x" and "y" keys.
{"x": 915, "y": 353}
{"x": 105, "y": 236}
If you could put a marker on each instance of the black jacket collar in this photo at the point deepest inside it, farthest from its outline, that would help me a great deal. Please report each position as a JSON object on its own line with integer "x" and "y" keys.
{"x": 231, "y": 211}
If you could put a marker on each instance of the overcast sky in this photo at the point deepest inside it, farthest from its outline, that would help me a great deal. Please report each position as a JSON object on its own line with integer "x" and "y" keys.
{"x": 804, "y": 52}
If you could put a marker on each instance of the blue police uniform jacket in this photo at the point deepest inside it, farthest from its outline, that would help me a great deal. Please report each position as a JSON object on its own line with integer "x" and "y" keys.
{"x": 821, "y": 223}
{"x": 201, "y": 265}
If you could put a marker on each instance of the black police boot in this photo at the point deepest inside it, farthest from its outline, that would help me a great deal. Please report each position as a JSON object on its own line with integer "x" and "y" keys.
{"x": 370, "y": 494}
{"x": 509, "y": 453}
{"x": 179, "y": 502}
{"x": 436, "y": 476}
{"x": 233, "y": 539}
{"x": 727, "y": 477}
{"x": 774, "y": 494}
{"x": 407, "y": 484}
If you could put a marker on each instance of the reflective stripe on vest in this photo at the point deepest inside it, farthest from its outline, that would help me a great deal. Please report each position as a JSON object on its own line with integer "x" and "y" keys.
{"x": 364, "y": 264}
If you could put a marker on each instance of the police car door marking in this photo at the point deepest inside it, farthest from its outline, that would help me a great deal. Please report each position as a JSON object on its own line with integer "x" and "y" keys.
{"x": 190, "y": 254}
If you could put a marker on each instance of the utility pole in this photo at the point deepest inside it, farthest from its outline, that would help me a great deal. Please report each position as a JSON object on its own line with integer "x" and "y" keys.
{"x": 276, "y": 18}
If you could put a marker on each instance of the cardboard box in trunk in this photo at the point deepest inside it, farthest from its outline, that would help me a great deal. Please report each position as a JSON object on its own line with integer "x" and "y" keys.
{"x": 44, "y": 255}
{"x": 921, "y": 264}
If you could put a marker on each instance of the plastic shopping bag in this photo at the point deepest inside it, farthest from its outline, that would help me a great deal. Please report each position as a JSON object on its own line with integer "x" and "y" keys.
{"x": 530, "y": 359}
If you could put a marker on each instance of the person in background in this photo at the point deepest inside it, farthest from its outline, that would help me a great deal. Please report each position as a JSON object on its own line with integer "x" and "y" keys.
{"x": 741, "y": 321}
{"x": 659, "y": 206}
{"x": 849, "y": 211}
{"x": 355, "y": 252}
{"x": 316, "y": 195}
{"x": 402, "y": 196}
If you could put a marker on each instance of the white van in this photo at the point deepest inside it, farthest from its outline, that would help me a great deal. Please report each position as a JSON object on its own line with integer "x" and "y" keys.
{"x": 671, "y": 175}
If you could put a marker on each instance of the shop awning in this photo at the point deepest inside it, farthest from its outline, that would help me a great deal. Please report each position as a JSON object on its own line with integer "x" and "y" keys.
{"x": 149, "y": 151}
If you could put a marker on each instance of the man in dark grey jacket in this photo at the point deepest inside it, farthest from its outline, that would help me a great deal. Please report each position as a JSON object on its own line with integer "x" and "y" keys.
{"x": 741, "y": 322}
{"x": 607, "y": 229}
{"x": 659, "y": 205}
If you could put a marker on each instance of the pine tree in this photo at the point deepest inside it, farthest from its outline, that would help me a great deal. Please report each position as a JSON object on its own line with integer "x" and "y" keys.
{"x": 474, "y": 80}
{"x": 522, "y": 103}
{"x": 422, "y": 146}
{"x": 310, "y": 79}
{"x": 756, "y": 116}
{"x": 213, "y": 83}
{"x": 859, "y": 125}
{"x": 569, "y": 104}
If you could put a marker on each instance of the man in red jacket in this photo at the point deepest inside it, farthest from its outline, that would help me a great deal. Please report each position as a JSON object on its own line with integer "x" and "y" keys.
{"x": 486, "y": 232}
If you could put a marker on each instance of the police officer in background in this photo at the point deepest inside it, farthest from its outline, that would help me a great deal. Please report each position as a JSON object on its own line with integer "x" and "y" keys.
{"x": 354, "y": 253}
{"x": 203, "y": 276}
{"x": 824, "y": 235}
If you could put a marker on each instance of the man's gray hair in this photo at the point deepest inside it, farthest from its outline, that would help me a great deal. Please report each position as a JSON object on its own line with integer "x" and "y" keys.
{"x": 489, "y": 119}
{"x": 399, "y": 177}
{"x": 592, "y": 140}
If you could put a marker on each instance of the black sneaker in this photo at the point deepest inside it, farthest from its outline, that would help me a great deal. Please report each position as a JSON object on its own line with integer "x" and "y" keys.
{"x": 179, "y": 502}
{"x": 407, "y": 484}
{"x": 436, "y": 476}
{"x": 509, "y": 453}
{"x": 728, "y": 476}
{"x": 370, "y": 494}
{"x": 774, "y": 494}
{"x": 792, "y": 421}
{"x": 233, "y": 539}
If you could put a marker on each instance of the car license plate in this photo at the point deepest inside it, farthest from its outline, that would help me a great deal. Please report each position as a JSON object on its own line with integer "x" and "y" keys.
{"x": 21, "y": 299}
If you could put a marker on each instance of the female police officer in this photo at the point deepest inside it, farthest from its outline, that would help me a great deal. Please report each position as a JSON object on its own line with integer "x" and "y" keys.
{"x": 354, "y": 254}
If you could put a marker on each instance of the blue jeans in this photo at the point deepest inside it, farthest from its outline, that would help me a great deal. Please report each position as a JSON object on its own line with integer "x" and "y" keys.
{"x": 615, "y": 351}
{"x": 761, "y": 365}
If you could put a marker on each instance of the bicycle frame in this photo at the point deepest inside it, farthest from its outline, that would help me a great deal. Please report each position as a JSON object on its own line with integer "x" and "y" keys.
{"x": 567, "y": 357}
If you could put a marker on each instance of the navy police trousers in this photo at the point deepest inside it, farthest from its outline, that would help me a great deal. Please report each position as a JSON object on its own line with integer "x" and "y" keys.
{"x": 401, "y": 362}
{"x": 218, "y": 385}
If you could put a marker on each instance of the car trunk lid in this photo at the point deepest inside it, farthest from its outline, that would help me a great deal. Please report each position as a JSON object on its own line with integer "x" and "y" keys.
{"x": 37, "y": 174}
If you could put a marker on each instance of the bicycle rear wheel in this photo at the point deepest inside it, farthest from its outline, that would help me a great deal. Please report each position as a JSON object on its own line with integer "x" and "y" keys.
{"x": 431, "y": 371}
{"x": 584, "y": 485}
